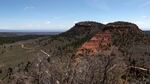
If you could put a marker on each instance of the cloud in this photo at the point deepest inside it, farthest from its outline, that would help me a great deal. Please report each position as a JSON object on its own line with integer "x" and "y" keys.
{"x": 47, "y": 22}
{"x": 144, "y": 16}
{"x": 42, "y": 25}
{"x": 105, "y": 22}
{"x": 29, "y": 7}
{"x": 74, "y": 22}
{"x": 143, "y": 24}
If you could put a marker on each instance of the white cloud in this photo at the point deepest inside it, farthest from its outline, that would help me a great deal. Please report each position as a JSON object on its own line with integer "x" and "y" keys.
{"x": 143, "y": 25}
{"x": 74, "y": 22}
{"x": 144, "y": 16}
{"x": 29, "y": 7}
{"x": 47, "y": 22}
{"x": 43, "y": 25}
{"x": 105, "y": 22}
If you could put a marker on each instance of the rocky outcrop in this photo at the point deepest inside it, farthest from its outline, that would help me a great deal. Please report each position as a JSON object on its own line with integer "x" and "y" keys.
{"x": 122, "y": 28}
{"x": 100, "y": 54}
{"x": 91, "y": 28}
{"x": 102, "y": 41}
{"x": 87, "y": 28}
{"x": 99, "y": 43}
{"x": 97, "y": 70}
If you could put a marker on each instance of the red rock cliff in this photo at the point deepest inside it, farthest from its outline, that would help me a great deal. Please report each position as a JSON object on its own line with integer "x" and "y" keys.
{"x": 102, "y": 41}
{"x": 98, "y": 43}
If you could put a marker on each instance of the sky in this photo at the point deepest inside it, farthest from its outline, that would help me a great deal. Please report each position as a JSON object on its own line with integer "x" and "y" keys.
{"x": 61, "y": 15}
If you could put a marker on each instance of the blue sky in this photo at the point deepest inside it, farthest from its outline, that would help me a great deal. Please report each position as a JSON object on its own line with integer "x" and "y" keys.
{"x": 60, "y": 15}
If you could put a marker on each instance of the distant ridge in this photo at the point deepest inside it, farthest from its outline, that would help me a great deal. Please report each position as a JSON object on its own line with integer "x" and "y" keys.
{"x": 9, "y": 30}
{"x": 11, "y": 33}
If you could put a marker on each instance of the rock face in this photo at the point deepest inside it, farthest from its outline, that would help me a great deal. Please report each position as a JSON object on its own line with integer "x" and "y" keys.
{"x": 98, "y": 43}
{"x": 100, "y": 54}
{"x": 87, "y": 28}
{"x": 102, "y": 41}
{"x": 122, "y": 27}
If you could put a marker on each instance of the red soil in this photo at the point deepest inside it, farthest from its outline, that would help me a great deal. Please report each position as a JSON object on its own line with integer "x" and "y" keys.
{"x": 100, "y": 42}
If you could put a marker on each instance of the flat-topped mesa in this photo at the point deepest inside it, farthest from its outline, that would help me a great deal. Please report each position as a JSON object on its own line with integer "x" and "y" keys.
{"x": 87, "y": 24}
{"x": 86, "y": 28}
{"x": 98, "y": 43}
{"x": 122, "y": 27}
{"x": 103, "y": 41}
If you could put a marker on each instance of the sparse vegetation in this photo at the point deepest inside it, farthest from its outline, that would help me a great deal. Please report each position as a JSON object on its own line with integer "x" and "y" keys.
{"x": 25, "y": 62}
{"x": 8, "y": 40}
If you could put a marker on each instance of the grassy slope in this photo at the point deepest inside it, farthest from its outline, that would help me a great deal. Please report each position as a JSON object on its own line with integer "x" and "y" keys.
{"x": 13, "y": 54}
